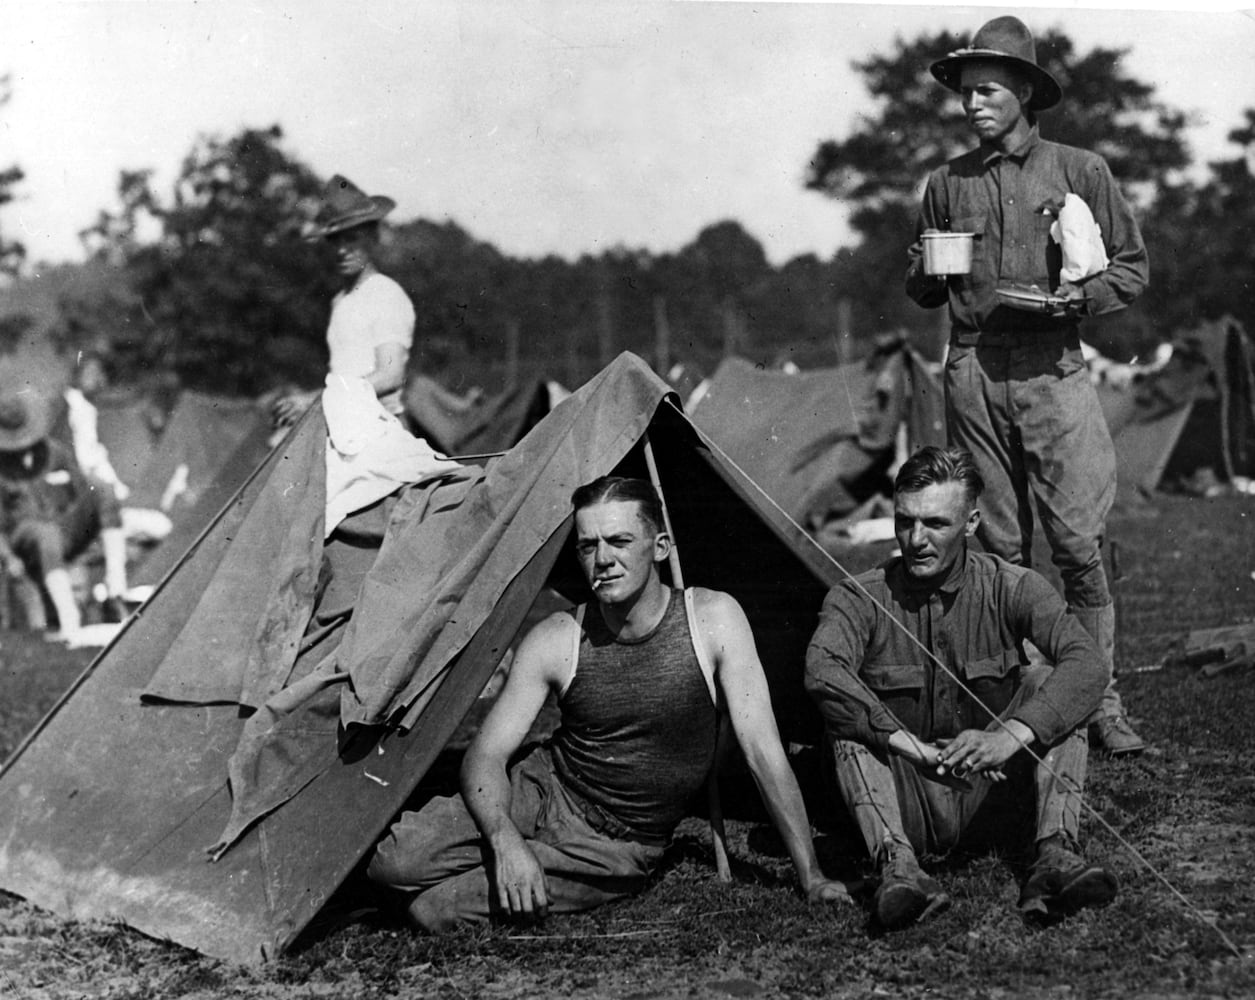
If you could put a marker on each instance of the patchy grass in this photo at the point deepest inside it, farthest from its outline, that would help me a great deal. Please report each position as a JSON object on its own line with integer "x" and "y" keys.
{"x": 1187, "y": 808}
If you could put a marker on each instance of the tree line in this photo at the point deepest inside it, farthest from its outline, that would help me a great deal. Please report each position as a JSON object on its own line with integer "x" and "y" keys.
{"x": 231, "y": 297}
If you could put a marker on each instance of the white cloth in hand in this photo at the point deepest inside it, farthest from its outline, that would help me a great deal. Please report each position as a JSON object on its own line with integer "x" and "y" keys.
{"x": 369, "y": 453}
{"x": 1081, "y": 239}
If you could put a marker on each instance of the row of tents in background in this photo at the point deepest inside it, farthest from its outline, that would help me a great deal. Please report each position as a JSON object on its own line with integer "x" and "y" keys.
{"x": 823, "y": 443}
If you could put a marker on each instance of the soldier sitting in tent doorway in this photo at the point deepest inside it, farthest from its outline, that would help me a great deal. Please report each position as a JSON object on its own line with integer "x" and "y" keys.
{"x": 50, "y": 513}
{"x": 938, "y": 726}
{"x": 640, "y": 674}
{"x": 372, "y": 319}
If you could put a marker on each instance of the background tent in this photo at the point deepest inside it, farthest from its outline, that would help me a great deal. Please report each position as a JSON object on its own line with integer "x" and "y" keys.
{"x": 128, "y": 424}
{"x": 212, "y": 495}
{"x": 106, "y": 810}
{"x": 822, "y": 441}
{"x": 484, "y": 427}
{"x": 201, "y": 435}
{"x": 1196, "y": 413}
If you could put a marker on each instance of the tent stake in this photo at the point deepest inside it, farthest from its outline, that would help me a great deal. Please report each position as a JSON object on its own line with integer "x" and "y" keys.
{"x": 714, "y": 805}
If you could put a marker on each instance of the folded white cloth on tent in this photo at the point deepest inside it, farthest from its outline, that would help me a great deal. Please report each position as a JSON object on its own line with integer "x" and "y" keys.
{"x": 1081, "y": 239}
{"x": 369, "y": 452}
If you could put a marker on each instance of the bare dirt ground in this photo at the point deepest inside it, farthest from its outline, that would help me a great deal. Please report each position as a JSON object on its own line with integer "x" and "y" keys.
{"x": 1187, "y": 809}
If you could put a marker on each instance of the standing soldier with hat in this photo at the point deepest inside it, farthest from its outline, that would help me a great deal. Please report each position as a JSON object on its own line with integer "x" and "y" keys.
{"x": 372, "y": 319}
{"x": 1018, "y": 395}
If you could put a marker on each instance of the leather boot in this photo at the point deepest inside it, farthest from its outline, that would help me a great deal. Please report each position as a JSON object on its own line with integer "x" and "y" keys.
{"x": 905, "y": 895}
{"x": 1061, "y": 882}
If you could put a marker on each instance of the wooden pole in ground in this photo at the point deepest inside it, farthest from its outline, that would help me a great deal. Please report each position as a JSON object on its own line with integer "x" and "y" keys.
{"x": 714, "y": 805}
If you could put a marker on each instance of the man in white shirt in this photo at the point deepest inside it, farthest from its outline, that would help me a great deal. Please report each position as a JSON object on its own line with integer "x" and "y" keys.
{"x": 372, "y": 319}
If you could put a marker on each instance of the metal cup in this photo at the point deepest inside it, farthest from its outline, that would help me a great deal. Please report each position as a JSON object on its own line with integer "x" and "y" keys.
{"x": 948, "y": 253}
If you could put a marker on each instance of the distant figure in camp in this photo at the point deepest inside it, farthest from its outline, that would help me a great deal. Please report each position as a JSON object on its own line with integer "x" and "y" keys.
{"x": 50, "y": 513}
{"x": 583, "y": 819}
{"x": 93, "y": 458}
{"x": 1053, "y": 240}
{"x": 372, "y": 319}
{"x": 931, "y": 707}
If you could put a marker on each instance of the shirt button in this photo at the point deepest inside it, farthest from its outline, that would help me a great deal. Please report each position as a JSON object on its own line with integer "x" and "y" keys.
{"x": 1010, "y": 201}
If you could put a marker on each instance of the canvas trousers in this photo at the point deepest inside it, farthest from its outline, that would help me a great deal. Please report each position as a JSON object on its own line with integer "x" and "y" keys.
{"x": 1026, "y": 410}
{"x": 1024, "y": 406}
{"x": 438, "y": 856}
{"x": 890, "y": 799}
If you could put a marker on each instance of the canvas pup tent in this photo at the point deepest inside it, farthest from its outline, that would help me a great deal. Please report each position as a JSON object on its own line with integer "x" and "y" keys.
{"x": 324, "y": 679}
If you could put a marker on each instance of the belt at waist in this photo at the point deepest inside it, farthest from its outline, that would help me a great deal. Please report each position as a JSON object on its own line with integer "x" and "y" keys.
{"x": 608, "y": 825}
{"x": 1063, "y": 337}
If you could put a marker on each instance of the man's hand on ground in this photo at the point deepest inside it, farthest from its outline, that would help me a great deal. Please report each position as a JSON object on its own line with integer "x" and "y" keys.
{"x": 521, "y": 886}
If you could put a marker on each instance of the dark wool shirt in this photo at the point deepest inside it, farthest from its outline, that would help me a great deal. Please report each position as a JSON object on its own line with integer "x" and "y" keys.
{"x": 870, "y": 678}
{"x": 1010, "y": 201}
{"x": 638, "y": 724}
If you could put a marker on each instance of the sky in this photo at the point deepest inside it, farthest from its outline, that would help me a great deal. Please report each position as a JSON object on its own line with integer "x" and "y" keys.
{"x": 565, "y": 127}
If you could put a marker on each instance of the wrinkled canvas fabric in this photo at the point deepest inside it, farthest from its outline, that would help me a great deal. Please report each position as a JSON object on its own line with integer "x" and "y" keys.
{"x": 238, "y": 645}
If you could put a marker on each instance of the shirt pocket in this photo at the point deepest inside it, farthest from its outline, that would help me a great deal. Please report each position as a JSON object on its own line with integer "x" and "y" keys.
{"x": 993, "y": 680}
{"x": 893, "y": 678}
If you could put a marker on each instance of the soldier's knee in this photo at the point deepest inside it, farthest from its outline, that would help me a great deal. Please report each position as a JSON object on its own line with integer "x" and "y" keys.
{"x": 386, "y": 866}
{"x": 42, "y": 547}
{"x": 431, "y": 913}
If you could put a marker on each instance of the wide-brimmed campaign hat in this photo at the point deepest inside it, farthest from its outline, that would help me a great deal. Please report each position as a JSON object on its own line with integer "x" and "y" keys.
{"x": 1007, "y": 39}
{"x": 25, "y": 420}
{"x": 345, "y": 206}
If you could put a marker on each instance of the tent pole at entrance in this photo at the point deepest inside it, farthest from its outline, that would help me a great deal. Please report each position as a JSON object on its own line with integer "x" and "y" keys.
{"x": 714, "y": 806}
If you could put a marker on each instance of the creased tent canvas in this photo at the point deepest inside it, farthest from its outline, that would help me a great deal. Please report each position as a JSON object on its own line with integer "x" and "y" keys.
{"x": 327, "y": 695}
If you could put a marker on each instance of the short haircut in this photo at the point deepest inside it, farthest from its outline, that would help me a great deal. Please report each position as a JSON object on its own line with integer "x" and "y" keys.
{"x": 932, "y": 465}
{"x": 608, "y": 489}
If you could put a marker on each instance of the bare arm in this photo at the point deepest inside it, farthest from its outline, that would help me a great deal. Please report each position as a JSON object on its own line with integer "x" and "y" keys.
{"x": 537, "y": 669}
{"x": 389, "y": 372}
{"x": 729, "y": 642}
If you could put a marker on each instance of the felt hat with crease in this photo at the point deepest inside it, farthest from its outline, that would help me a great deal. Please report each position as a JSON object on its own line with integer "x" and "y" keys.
{"x": 346, "y": 206}
{"x": 1004, "y": 39}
